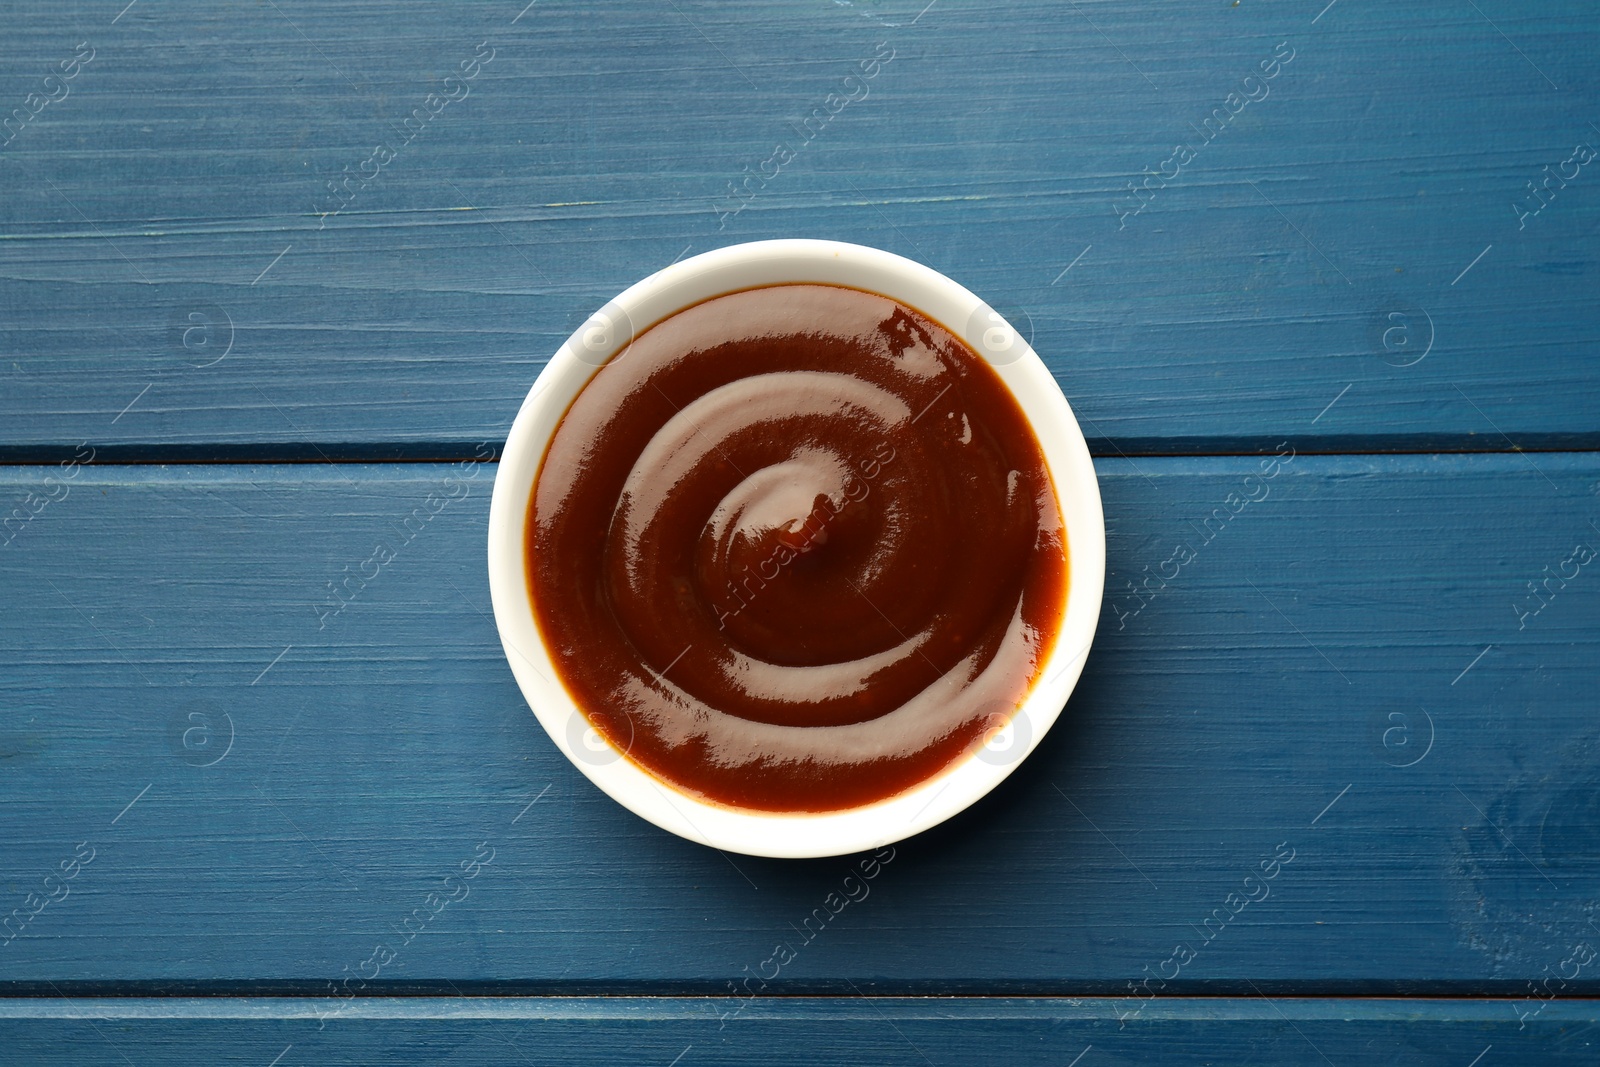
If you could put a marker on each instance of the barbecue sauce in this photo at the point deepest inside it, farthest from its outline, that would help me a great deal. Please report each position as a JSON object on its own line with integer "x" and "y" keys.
{"x": 796, "y": 549}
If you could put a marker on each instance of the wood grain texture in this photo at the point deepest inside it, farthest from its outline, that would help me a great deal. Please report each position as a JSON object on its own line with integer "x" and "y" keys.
{"x": 173, "y": 209}
{"x": 664, "y": 1031}
{"x": 1358, "y": 615}
{"x": 218, "y": 778}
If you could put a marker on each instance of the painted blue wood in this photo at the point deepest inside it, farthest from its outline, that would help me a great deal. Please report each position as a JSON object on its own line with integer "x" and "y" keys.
{"x": 288, "y": 1032}
{"x": 1342, "y": 747}
{"x": 216, "y": 777}
{"x": 178, "y": 280}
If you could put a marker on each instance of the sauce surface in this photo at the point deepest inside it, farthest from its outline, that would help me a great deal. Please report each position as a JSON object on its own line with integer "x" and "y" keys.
{"x": 796, "y": 549}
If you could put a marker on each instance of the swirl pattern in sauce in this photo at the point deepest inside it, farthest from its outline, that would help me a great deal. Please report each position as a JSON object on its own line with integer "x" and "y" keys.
{"x": 796, "y": 549}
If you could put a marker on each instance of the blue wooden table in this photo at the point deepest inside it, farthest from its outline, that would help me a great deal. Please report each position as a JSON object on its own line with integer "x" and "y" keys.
{"x": 270, "y": 273}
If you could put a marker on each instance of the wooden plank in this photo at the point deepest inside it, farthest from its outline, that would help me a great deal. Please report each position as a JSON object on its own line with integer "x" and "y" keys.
{"x": 179, "y": 281}
{"x": 1358, "y": 615}
{"x": 288, "y": 1032}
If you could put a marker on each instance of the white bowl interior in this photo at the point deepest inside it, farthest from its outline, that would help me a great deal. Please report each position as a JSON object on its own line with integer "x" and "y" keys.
{"x": 742, "y": 267}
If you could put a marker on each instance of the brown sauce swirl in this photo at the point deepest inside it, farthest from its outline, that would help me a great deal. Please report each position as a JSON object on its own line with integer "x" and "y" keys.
{"x": 796, "y": 549}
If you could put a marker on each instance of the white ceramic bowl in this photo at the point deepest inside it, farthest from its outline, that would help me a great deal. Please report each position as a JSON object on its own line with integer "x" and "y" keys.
{"x": 609, "y": 331}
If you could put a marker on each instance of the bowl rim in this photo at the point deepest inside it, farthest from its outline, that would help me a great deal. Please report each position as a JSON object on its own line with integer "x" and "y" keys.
{"x": 609, "y": 331}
